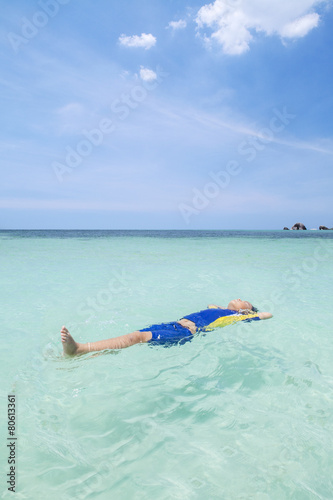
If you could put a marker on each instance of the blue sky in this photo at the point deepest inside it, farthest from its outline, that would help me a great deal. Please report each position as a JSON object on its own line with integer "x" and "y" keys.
{"x": 166, "y": 114}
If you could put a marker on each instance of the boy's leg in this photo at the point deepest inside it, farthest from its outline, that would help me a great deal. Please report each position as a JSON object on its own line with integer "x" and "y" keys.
{"x": 73, "y": 348}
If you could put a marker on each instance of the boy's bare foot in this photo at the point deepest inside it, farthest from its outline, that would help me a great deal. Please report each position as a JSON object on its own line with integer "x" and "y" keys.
{"x": 68, "y": 343}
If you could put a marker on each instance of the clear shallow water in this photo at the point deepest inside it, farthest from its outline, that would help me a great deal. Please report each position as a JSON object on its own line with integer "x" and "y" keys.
{"x": 242, "y": 412}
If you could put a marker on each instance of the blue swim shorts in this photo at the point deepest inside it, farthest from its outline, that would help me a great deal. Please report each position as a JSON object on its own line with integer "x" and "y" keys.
{"x": 168, "y": 333}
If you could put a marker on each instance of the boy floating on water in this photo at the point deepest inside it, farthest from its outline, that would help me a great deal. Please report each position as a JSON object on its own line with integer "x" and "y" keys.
{"x": 168, "y": 333}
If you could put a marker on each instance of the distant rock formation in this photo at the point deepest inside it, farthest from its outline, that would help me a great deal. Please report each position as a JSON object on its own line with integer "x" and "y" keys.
{"x": 301, "y": 226}
{"x": 298, "y": 226}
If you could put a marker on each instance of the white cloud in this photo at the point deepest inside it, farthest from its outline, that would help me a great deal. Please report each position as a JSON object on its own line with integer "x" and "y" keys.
{"x": 147, "y": 75}
{"x": 146, "y": 41}
{"x": 69, "y": 118}
{"x": 73, "y": 108}
{"x": 301, "y": 26}
{"x": 177, "y": 25}
{"x": 233, "y": 24}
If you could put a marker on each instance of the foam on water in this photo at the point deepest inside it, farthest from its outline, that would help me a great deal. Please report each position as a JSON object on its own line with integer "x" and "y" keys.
{"x": 241, "y": 412}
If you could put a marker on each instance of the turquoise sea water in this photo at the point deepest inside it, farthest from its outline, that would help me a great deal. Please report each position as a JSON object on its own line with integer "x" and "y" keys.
{"x": 243, "y": 412}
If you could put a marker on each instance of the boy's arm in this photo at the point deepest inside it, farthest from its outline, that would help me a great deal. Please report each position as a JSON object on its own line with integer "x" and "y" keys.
{"x": 265, "y": 315}
{"x": 262, "y": 315}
